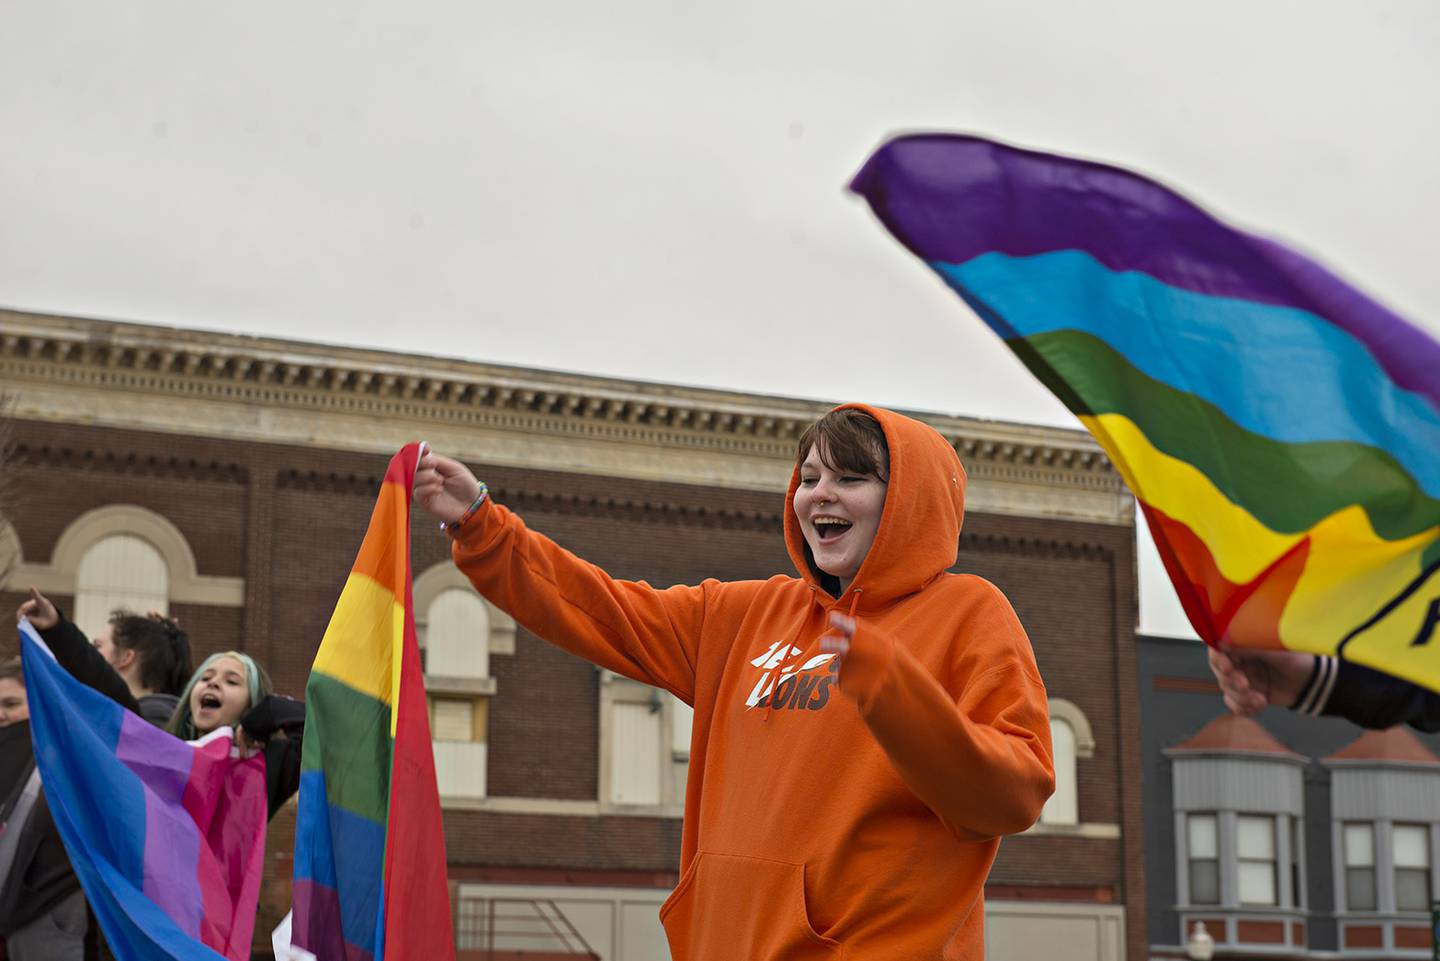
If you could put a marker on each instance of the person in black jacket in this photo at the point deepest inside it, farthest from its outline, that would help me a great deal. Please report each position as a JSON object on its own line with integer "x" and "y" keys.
{"x": 42, "y": 909}
{"x": 142, "y": 663}
{"x": 1321, "y": 685}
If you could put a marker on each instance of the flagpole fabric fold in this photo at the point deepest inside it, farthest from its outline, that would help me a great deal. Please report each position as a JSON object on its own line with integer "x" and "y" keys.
{"x": 1280, "y": 429}
{"x": 167, "y": 837}
{"x": 370, "y": 871}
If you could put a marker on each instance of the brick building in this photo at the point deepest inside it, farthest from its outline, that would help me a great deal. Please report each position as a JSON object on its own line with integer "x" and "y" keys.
{"x": 1288, "y": 836}
{"x": 229, "y": 480}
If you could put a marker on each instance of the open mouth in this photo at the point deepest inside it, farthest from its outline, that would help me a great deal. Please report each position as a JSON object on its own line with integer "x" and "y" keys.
{"x": 209, "y": 702}
{"x": 830, "y": 529}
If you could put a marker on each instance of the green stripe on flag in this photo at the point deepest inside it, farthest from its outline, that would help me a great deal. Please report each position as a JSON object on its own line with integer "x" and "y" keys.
{"x": 1287, "y": 487}
{"x": 347, "y": 736}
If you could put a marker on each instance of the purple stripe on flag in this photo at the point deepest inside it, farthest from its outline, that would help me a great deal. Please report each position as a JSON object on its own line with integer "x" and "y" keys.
{"x": 162, "y": 762}
{"x": 319, "y": 904}
{"x": 172, "y": 842}
{"x": 950, "y": 198}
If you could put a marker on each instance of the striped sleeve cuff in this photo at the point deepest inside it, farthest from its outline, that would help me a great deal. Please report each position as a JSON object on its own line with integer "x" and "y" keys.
{"x": 1316, "y": 692}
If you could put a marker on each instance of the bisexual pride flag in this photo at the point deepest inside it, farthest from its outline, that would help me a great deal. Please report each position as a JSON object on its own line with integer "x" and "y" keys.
{"x": 370, "y": 880}
{"x": 167, "y": 837}
{"x": 1280, "y": 429}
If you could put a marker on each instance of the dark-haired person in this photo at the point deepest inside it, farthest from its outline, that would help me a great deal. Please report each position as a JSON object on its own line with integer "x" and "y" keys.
{"x": 140, "y": 662}
{"x": 1321, "y": 685}
{"x": 864, "y": 732}
{"x": 43, "y": 916}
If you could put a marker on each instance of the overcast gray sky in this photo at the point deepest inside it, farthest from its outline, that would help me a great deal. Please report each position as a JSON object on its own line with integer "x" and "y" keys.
{"x": 654, "y": 189}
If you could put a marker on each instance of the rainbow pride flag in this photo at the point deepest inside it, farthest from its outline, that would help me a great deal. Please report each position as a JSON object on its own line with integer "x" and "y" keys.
{"x": 370, "y": 880}
{"x": 167, "y": 837}
{"x": 1280, "y": 430}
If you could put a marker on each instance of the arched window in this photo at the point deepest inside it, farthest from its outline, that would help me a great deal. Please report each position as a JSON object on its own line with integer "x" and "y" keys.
{"x": 458, "y": 631}
{"x": 1064, "y": 805}
{"x": 1071, "y": 741}
{"x": 457, "y": 634}
{"x": 120, "y": 571}
{"x": 121, "y": 555}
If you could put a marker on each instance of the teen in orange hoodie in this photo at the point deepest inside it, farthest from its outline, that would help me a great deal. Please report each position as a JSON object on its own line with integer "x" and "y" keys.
{"x": 816, "y": 826}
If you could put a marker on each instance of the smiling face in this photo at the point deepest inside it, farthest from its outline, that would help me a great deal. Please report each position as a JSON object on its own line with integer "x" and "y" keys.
{"x": 14, "y": 708}
{"x": 221, "y": 695}
{"x": 839, "y": 512}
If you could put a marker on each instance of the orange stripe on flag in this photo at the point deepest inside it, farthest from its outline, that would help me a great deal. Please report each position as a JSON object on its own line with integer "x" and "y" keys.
{"x": 381, "y": 558}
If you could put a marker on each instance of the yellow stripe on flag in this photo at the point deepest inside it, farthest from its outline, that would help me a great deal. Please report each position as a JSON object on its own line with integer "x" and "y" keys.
{"x": 1347, "y": 568}
{"x": 1241, "y": 545}
{"x": 361, "y": 648}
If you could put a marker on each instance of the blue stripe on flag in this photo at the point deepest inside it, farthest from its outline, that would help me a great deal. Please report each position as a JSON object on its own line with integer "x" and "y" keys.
{"x": 1258, "y": 363}
{"x": 354, "y": 849}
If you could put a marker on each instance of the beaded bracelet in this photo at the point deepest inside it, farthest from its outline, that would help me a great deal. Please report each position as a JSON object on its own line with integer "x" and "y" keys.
{"x": 480, "y": 498}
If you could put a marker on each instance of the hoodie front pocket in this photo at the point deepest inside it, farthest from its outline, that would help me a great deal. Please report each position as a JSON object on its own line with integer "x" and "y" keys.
{"x": 729, "y": 906}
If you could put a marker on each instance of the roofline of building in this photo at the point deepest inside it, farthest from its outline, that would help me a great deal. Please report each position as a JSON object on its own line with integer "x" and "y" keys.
{"x": 284, "y": 391}
{"x": 1189, "y": 753}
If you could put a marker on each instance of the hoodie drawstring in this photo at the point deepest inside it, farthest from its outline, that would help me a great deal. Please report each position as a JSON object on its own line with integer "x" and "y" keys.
{"x": 793, "y": 651}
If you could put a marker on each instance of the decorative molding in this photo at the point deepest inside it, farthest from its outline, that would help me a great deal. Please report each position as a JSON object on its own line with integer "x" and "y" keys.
{"x": 445, "y": 576}
{"x": 1071, "y": 714}
{"x": 1035, "y": 546}
{"x": 523, "y": 805}
{"x": 590, "y": 809}
{"x": 12, "y": 555}
{"x": 187, "y": 585}
{"x": 444, "y": 685}
{"x": 175, "y": 468}
{"x": 1091, "y": 830}
{"x": 276, "y": 391}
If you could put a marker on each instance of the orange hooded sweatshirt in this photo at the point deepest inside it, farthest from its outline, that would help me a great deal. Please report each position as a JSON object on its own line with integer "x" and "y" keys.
{"x": 823, "y": 820}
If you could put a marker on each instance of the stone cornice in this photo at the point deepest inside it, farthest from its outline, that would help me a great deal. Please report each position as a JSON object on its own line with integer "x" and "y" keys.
{"x": 262, "y": 389}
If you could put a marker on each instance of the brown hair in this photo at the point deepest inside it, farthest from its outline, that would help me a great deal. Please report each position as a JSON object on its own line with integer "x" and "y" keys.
{"x": 163, "y": 649}
{"x": 12, "y": 669}
{"x": 849, "y": 440}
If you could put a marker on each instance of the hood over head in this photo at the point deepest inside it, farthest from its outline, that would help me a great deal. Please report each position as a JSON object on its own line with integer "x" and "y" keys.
{"x": 919, "y": 533}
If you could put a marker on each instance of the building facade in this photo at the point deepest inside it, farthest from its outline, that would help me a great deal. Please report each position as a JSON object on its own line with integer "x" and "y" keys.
{"x": 1284, "y": 835}
{"x": 228, "y": 480}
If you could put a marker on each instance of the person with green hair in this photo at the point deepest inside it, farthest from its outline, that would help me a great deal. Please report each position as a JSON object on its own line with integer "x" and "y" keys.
{"x": 230, "y": 689}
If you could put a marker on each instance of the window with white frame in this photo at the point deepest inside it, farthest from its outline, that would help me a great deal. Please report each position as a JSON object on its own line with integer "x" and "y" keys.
{"x": 645, "y": 746}
{"x": 457, "y": 632}
{"x": 1063, "y": 807}
{"x": 121, "y": 571}
{"x": 1410, "y": 848}
{"x": 1255, "y": 859}
{"x": 456, "y": 635}
{"x": 1203, "y": 861}
{"x": 1358, "y": 844}
{"x": 1071, "y": 741}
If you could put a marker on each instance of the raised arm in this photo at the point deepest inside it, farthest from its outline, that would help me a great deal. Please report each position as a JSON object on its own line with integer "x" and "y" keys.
{"x": 1321, "y": 685}
{"x": 980, "y": 756}
{"x": 628, "y": 627}
{"x": 74, "y": 652}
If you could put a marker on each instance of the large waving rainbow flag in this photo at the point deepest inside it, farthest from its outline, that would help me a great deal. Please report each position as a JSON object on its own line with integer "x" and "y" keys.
{"x": 167, "y": 837}
{"x": 1280, "y": 430}
{"x": 370, "y": 881}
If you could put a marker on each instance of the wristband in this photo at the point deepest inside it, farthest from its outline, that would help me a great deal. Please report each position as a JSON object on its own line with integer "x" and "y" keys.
{"x": 475, "y": 505}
